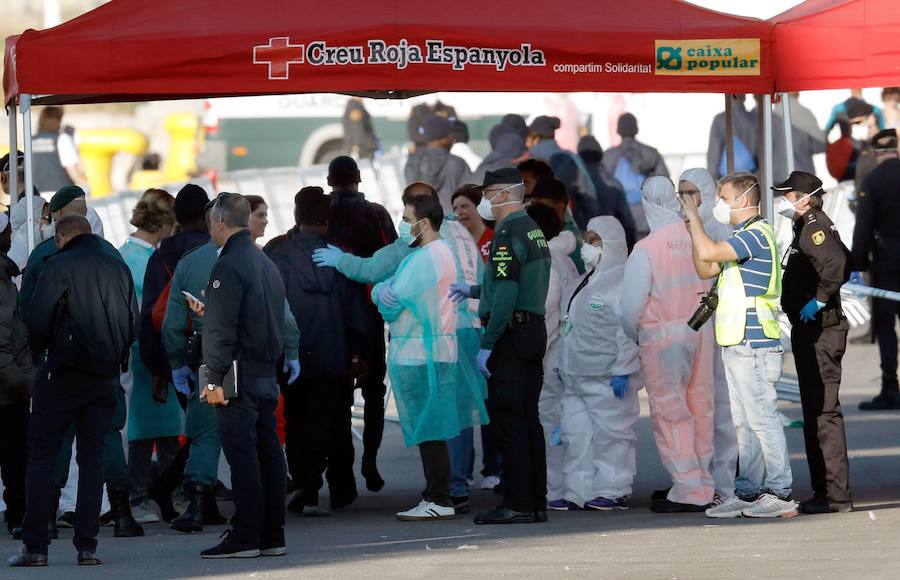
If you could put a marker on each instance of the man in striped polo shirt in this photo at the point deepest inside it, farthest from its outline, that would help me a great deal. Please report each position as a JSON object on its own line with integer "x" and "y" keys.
{"x": 748, "y": 276}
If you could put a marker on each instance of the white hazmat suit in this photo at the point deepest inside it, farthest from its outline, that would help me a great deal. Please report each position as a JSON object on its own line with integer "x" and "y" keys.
{"x": 597, "y": 427}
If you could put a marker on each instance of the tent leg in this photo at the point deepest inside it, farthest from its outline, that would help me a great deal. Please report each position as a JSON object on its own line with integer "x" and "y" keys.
{"x": 729, "y": 133}
{"x": 765, "y": 174}
{"x": 788, "y": 131}
{"x": 13, "y": 158}
{"x": 25, "y": 106}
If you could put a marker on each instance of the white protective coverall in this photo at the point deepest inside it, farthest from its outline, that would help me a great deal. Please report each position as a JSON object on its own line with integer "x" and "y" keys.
{"x": 598, "y": 428}
{"x": 562, "y": 273}
{"x": 660, "y": 295}
{"x": 725, "y": 447}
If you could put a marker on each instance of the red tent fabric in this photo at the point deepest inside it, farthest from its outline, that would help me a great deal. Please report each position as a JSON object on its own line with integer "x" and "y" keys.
{"x": 137, "y": 50}
{"x": 834, "y": 44}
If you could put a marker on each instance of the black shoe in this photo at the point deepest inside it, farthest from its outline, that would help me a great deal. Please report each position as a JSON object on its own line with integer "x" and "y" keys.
{"x": 192, "y": 518}
{"x": 503, "y": 515}
{"x": 67, "y": 520}
{"x": 86, "y": 558}
{"x": 120, "y": 511}
{"x": 671, "y": 507}
{"x": 823, "y": 506}
{"x": 883, "y": 402}
{"x": 461, "y": 504}
{"x": 660, "y": 494}
{"x": 340, "y": 501}
{"x": 374, "y": 482}
{"x": 26, "y": 559}
{"x": 272, "y": 543}
{"x": 540, "y": 516}
{"x": 230, "y": 549}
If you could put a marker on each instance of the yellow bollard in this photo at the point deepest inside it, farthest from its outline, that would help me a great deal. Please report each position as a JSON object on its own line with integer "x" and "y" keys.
{"x": 181, "y": 162}
{"x": 99, "y": 146}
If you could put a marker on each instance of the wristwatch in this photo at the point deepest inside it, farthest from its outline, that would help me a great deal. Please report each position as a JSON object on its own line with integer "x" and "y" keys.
{"x": 210, "y": 387}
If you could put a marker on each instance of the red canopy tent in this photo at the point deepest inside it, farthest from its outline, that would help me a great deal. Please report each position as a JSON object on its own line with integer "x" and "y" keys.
{"x": 835, "y": 44}
{"x": 129, "y": 50}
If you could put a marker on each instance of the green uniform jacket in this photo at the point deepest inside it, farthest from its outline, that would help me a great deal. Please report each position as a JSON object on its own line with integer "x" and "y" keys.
{"x": 517, "y": 276}
{"x": 192, "y": 275}
{"x": 33, "y": 269}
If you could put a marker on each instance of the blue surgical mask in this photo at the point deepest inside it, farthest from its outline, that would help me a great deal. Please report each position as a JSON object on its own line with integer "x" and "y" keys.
{"x": 404, "y": 232}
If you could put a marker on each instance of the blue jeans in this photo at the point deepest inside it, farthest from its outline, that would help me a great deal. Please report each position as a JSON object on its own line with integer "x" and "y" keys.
{"x": 258, "y": 470}
{"x": 762, "y": 447}
{"x": 462, "y": 451}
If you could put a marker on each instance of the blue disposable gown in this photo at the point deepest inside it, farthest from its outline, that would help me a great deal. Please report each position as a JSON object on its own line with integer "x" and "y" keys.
{"x": 438, "y": 392}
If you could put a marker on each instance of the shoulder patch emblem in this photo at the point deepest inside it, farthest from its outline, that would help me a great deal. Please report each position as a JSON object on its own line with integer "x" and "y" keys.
{"x": 818, "y": 238}
{"x": 216, "y": 284}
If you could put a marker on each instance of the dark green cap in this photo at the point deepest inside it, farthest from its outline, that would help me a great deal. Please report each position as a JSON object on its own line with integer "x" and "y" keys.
{"x": 64, "y": 196}
{"x": 504, "y": 176}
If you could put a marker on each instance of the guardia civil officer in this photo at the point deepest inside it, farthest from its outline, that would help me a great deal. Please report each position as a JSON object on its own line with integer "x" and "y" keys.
{"x": 817, "y": 267}
{"x": 512, "y": 295}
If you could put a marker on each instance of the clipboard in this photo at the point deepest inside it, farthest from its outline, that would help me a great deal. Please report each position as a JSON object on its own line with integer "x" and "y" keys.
{"x": 230, "y": 382}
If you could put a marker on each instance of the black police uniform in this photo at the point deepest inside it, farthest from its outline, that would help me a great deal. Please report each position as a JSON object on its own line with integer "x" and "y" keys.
{"x": 876, "y": 248}
{"x": 817, "y": 267}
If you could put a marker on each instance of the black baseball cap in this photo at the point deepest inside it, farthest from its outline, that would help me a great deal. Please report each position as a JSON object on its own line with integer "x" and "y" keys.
{"x": 502, "y": 176}
{"x": 802, "y": 182}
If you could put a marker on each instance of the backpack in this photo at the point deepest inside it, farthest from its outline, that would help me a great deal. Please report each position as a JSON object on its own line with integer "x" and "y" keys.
{"x": 743, "y": 158}
{"x": 158, "y": 314}
{"x": 631, "y": 181}
{"x": 840, "y": 156}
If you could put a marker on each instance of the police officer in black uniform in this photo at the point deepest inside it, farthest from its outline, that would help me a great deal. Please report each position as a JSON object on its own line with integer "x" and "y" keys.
{"x": 817, "y": 267}
{"x": 876, "y": 248}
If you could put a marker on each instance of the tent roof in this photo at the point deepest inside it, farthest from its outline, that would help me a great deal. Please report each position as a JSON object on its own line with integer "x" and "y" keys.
{"x": 833, "y": 44}
{"x": 130, "y": 50}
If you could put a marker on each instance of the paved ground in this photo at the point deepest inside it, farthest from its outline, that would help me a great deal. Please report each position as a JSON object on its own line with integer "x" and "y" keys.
{"x": 365, "y": 541}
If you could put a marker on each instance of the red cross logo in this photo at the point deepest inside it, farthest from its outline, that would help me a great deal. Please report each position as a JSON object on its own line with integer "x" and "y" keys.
{"x": 279, "y": 54}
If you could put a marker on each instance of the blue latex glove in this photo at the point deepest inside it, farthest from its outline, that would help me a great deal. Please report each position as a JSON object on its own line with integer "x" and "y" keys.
{"x": 387, "y": 296}
{"x": 556, "y": 436}
{"x": 857, "y": 278}
{"x": 482, "y": 360}
{"x": 327, "y": 257}
{"x": 180, "y": 378}
{"x": 808, "y": 313}
{"x": 292, "y": 365}
{"x": 460, "y": 292}
{"x": 619, "y": 386}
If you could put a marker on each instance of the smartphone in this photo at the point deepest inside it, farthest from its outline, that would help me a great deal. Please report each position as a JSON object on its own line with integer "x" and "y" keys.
{"x": 191, "y": 296}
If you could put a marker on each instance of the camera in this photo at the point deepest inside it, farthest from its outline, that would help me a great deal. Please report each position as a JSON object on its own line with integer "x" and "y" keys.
{"x": 708, "y": 303}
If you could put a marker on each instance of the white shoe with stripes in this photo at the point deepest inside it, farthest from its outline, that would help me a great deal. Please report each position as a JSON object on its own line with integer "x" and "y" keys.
{"x": 427, "y": 510}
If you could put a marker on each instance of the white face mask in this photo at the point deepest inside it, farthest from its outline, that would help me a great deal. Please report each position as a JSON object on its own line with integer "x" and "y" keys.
{"x": 788, "y": 208}
{"x": 722, "y": 210}
{"x": 485, "y": 208}
{"x": 591, "y": 255}
{"x": 859, "y": 132}
{"x": 48, "y": 231}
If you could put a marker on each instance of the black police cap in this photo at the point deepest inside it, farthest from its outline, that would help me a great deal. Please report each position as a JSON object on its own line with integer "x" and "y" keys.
{"x": 802, "y": 182}
{"x": 502, "y": 176}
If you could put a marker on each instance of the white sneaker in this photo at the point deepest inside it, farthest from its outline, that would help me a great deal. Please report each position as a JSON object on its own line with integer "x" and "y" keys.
{"x": 732, "y": 508}
{"x": 490, "y": 482}
{"x": 427, "y": 510}
{"x": 770, "y": 506}
{"x": 143, "y": 513}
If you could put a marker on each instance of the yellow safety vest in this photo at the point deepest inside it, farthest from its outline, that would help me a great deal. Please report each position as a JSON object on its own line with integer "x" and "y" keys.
{"x": 731, "y": 314}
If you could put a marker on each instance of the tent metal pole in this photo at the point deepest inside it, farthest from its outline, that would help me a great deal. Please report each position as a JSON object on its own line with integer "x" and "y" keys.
{"x": 13, "y": 158}
{"x": 729, "y": 133}
{"x": 788, "y": 132}
{"x": 767, "y": 157}
{"x": 25, "y": 106}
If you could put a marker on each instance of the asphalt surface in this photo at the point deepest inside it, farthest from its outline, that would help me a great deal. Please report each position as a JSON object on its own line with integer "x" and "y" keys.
{"x": 366, "y": 541}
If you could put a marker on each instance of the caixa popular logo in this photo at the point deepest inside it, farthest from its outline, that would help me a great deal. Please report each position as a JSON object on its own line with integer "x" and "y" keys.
{"x": 708, "y": 57}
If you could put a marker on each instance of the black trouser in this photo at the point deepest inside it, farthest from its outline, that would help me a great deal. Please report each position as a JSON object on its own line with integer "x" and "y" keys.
{"x": 247, "y": 426}
{"x": 373, "y": 392}
{"x": 65, "y": 397}
{"x": 436, "y": 465}
{"x": 318, "y": 436}
{"x": 516, "y": 367}
{"x": 884, "y": 317}
{"x": 490, "y": 452}
{"x": 14, "y": 460}
{"x": 817, "y": 354}
{"x": 141, "y": 469}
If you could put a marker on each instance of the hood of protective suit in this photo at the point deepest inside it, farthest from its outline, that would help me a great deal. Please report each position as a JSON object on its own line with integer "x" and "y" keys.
{"x": 707, "y": 186}
{"x": 563, "y": 244}
{"x": 18, "y": 215}
{"x": 615, "y": 246}
{"x": 660, "y": 204}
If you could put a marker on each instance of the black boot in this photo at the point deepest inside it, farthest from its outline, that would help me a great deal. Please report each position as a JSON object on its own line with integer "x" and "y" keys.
{"x": 168, "y": 481}
{"x": 211, "y": 515}
{"x": 120, "y": 509}
{"x": 192, "y": 519}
